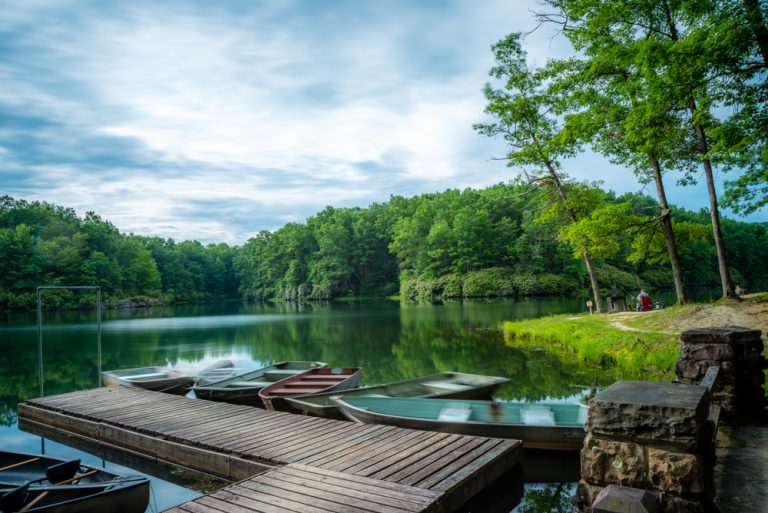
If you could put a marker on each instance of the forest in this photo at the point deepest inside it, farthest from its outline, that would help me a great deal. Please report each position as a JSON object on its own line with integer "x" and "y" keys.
{"x": 668, "y": 91}
{"x": 496, "y": 241}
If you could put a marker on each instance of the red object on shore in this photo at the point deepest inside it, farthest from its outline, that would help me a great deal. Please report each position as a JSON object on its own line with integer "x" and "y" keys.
{"x": 646, "y": 304}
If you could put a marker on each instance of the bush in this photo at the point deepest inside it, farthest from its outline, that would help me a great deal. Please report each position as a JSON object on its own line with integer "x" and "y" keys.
{"x": 450, "y": 286}
{"x": 496, "y": 281}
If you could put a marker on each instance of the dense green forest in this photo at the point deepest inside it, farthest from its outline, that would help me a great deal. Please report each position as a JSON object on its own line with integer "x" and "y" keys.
{"x": 472, "y": 243}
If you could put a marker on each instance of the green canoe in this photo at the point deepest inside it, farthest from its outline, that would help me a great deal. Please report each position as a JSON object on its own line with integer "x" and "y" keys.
{"x": 454, "y": 385}
{"x": 244, "y": 388}
{"x": 538, "y": 425}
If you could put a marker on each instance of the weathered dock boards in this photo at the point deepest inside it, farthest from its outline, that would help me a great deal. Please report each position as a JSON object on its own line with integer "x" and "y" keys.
{"x": 237, "y": 442}
{"x": 307, "y": 489}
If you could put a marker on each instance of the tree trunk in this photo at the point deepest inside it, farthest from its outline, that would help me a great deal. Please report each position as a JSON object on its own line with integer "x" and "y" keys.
{"x": 587, "y": 257}
{"x": 725, "y": 278}
{"x": 669, "y": 236}
{"x": 714, "y": 212}
{"x": 758, "y": 26}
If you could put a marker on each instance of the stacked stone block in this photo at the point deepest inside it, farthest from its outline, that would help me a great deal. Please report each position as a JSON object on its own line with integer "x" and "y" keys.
{"x": 738, "y": 352}
{"x": 652, "y": 436}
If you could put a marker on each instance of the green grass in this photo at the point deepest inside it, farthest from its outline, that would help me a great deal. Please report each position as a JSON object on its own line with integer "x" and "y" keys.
{"x": 591, "y": 338}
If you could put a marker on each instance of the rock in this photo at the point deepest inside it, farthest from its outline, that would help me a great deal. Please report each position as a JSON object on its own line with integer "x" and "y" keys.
{"x": 605, "y": 462}
{"x": 688, "y": 369}
{"x": 713, "y": 352}
{"x": 724, "y": 335}
{"x": 643, "y": 411}
{"x": 678, "y": 473}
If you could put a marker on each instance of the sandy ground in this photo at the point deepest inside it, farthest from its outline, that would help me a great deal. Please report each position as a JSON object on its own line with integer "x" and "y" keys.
{"x": 750, "y": 312}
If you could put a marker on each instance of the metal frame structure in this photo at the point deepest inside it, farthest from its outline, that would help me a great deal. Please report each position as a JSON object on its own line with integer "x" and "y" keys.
{"x": 40, "y": 325}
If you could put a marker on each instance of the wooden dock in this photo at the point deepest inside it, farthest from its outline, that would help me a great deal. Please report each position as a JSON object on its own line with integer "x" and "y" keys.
{"x": 350, "y": 466}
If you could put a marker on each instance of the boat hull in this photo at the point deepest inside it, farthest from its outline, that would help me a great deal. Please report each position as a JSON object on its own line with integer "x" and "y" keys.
{"x": 244, "y": 389}
{"x": 157, "y": 379}
{"x": 550, "y": 437}
{"x": 477, "y": 387}
{"x": 124, "y": 495}
{"x": 97, "y": 491}
{"x": 274, "y": 396}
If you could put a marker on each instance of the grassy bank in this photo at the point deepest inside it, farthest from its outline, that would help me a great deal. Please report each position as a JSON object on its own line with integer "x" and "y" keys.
{"x": 602, "y": 340}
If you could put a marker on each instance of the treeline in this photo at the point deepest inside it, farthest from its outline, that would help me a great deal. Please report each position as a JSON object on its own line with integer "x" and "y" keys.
{"x": 497, "y": 241}
{"x": 45, "y": 244}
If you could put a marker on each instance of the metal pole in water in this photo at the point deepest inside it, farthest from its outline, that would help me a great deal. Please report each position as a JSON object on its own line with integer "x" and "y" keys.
{"x": 98, "y": 331}
{"x": 40, "y": 341}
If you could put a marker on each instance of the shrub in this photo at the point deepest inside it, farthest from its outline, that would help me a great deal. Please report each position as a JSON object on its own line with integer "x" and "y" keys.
{"x": 496, "y": 281}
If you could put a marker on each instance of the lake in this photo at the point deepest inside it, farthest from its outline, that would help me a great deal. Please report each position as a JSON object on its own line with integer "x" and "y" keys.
{"x": 389, "y": 340}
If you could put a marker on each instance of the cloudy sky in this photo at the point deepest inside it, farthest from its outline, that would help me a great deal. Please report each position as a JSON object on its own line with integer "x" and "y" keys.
{"x": 214, "y": 120}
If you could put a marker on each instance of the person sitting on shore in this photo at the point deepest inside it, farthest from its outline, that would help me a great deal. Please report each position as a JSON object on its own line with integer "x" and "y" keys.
{"x": 644, "y": 302}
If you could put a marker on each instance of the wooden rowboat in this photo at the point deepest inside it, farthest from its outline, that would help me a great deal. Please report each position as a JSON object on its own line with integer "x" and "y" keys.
{"x": 218, "y": 371}
{"x": 448, "y": 385}
{"x": 244, "y": 388}
{"x": 313, "y": 381}
{"x": 538, "y": 425}
{"x": 38, "y": 483}
{"x": 159, "y": 379}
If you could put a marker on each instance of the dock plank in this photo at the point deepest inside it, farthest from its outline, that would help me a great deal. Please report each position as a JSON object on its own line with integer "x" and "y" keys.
{"x": 316, "y": 464}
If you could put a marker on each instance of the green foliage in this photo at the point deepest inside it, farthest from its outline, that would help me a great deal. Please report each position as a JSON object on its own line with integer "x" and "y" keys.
{"x": 43, "y": 244}
{"x": 489, "y": 283}
{"x": 428, "y": 247}
{"x": 640, "y": 354}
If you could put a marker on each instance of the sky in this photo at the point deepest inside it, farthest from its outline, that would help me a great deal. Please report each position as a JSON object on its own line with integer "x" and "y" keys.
{"x": 215, "y": 120}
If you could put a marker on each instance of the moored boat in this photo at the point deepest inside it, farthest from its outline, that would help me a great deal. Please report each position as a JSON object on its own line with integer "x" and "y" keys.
{"x": 159, "y": 379}
{"x": 244, "y": 388}
{"x": 453, "y": 385}
{"x": 218, "y": 371}
{"x": 39, "y": 483}
{"x": 325, "y": 379}
{"x": 538, "y": 425}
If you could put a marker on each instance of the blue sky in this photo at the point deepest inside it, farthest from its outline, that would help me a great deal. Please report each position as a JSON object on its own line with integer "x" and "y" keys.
{"x": 215, "y": 120}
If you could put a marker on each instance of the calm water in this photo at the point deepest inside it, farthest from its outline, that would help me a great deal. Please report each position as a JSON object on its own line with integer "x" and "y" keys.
{"x": 390, "y": 341}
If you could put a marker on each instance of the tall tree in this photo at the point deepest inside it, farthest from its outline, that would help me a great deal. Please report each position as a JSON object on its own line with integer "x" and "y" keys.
{"x": 606, "y": 102}
{"x": 525, "y": 121}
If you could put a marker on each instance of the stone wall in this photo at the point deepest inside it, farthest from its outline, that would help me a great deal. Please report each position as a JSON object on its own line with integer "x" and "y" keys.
{"x": 738, "y": 353}
{"x": 652, "y": 436}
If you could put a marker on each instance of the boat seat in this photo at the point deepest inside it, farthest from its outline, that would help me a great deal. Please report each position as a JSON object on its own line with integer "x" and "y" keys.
{"x": 454, "y": 414}
{"x": 447, "y": 385}
{"x": 292, "y": 391}
{"x": 322, "y": 377}
{"x": 249, "y": 384}
{"x": 147, "y": 376}
{"x": 277, "y": 375}
{"x": 314, "y": 384}
{"x": 537, "y": 416}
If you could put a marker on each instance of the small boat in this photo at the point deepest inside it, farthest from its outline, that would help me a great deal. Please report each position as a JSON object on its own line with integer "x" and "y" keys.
{"x": 39, "y": 483}
{"x": 244, "y": 388}
{"x": 159, "y": 379}
{"x": 223, "y": 369}
{"x": 538, "y": 425}
{"x": 310, "y": 382}
{"x": 448, "y": 385}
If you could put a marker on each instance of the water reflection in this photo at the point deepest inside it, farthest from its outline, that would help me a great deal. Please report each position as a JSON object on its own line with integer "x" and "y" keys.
{"x": 391, "y": 342}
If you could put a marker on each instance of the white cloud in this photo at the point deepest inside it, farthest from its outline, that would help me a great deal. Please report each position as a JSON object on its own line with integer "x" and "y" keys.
{"x": 153, "y": 112}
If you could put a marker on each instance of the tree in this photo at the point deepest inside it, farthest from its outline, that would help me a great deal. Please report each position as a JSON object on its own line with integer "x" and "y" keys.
{"x": 524, "y": 119}
{"x": 611, "y": 100}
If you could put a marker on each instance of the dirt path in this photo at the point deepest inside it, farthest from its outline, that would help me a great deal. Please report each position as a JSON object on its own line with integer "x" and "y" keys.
{"x": 750, "y": 312}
